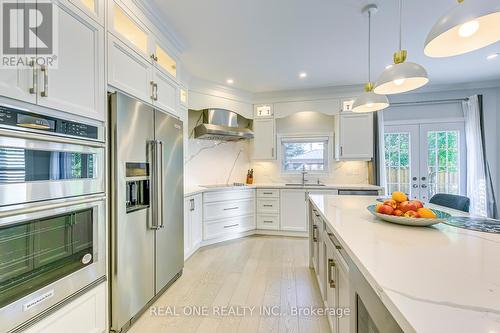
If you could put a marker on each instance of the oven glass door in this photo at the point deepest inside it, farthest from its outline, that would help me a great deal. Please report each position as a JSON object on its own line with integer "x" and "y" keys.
{"x": 28, "y": 165}
{"x": 33, "y": 169}
{"x": 35, "y": 253}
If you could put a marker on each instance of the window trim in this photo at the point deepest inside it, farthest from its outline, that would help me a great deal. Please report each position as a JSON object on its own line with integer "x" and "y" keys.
{"x": 327, "y": 137}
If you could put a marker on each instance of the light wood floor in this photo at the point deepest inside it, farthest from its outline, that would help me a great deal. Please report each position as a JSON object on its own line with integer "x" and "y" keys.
{"x": 254, "y": 271}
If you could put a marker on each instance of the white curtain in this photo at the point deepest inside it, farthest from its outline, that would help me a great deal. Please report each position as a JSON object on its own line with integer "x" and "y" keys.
{"x": 381, "y": 147}
{"x": 476, "y": 173}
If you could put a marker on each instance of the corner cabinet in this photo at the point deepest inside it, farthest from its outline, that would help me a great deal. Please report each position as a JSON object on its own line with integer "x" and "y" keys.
{"x": 193, "y": 219}
{"x": 76, "y": 84}
{"x": 354, "y": 136}
{"x": 138, "y": 64}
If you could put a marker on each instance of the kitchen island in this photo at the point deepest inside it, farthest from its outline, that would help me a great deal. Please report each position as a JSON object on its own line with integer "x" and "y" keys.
{"x": 432, "y": 279}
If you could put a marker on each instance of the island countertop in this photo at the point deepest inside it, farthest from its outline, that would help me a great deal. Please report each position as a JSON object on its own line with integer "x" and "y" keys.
{"x": 431, "y": 279}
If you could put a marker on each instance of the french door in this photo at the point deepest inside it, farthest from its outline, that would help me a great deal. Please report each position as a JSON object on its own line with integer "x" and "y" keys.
{"x": 424, "y": 159}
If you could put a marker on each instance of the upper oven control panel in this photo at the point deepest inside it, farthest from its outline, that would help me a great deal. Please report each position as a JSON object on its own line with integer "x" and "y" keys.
{"x": 23, "y": 119}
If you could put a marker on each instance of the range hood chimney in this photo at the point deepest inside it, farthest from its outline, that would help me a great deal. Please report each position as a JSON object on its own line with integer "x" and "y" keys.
{"x": 222, "y": 125}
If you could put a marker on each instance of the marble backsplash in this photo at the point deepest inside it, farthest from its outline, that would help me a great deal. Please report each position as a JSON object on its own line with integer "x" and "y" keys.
{"x": 214, "y": 162}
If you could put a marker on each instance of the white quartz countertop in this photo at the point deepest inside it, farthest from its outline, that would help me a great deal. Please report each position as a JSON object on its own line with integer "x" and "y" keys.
{"x": 192, "y": 190}
{"x": 431, "y": 279}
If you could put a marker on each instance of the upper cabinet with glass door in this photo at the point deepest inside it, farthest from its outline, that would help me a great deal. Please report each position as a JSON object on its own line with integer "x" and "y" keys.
{"x": 130, "y": 31}
{"x": 163, "y": 60}
{"x": 93, "y": 8}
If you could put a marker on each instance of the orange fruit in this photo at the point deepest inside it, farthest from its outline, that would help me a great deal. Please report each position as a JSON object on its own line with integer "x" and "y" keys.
{"x": 426, "y": 213}
{"x": 399, "y": 196}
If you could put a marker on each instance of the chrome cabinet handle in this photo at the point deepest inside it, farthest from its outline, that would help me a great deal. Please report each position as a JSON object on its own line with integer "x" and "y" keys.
{"x": 232, "y": 208}
{"x": 272, "y": 152}
{"x": 268, "y": 221}
{"x": 45, "y": 70}
{"x": 154, "y": 90}
{"x": 267, "y": 205}
{"x": 331, "y": 265}
{"x": 231, "y": 226}
{"x": 268, "y": 193}
{"x": 315, "y": 229}
{"x": 35, "y": 77}
{"x": 341, "y": 151}
{"x": 191, "y": 202}
{"x": 154, "y": 57}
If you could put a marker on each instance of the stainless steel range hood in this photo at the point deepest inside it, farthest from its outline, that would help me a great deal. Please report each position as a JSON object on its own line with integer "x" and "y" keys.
{"x": 223, "y": 125}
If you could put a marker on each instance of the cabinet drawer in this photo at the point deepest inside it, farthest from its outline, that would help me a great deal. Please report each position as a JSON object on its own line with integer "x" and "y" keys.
{"x": 268, "y": 206}
{"x": 229, "y": 226}
{"x": 228, "y": 195}
{"x": 268, "y": 193}
{"x": 225, "y": 209}
{"x": 268, "y": 222}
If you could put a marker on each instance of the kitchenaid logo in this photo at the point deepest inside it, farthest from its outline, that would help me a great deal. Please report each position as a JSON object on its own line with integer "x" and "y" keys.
{"x": 29, "y": 30}
{"x": 40, "y": 299}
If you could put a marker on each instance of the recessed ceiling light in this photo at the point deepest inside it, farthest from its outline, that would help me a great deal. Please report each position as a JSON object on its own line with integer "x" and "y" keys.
{"x": 230, "y": 81}
{"x": 492, "y": 56}
{"x": 303, "y": 75}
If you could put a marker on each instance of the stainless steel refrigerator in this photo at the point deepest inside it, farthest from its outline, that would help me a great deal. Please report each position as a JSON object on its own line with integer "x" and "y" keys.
{"x": 146, "y": 173}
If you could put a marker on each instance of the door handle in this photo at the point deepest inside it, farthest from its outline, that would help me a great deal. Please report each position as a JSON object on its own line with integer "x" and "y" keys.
{"x": 45, "y": 70}
{"x": 161, "y": 185}
{"x": 35, "y": 77}
{"x": 157, "y": 186}
{"x": 154, "y": 90}
{"x": 315, "y": 229}
{"x": 331, "y": 265}
{"x": 191, "y": 202}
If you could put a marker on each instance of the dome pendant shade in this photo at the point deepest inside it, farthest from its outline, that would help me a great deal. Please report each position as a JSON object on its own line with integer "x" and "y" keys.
{"x": 401, "y": 77}
{"x": 370, "y": 101}
{"x": 471, "y": 25}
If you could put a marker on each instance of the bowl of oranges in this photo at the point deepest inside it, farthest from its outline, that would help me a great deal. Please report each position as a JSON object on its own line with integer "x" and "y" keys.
{"x": 399, "y": 209}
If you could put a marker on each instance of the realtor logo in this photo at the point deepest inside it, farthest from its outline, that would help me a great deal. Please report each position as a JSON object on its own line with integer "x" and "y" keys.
{"x": 28, "y": 33}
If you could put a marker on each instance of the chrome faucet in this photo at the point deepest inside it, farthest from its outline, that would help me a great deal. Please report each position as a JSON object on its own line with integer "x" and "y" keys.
{"x": 304, "y": 173}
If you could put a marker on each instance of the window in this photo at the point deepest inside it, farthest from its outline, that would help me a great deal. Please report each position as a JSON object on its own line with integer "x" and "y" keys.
{"x": 310, "y": 154}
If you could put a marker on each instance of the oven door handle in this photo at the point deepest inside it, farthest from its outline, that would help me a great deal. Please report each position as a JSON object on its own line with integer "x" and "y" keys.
{"x": 49, "y": 206}
{"x": 50, "y": 138}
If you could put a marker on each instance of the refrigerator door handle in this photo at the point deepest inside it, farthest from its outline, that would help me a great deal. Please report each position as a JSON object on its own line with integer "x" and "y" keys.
{"x": 161, "y": 184}
{"x": 154, "y": 186}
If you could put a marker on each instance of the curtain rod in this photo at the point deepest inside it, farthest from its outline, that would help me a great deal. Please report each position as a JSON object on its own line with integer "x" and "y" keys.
{"x": 439, "y": 101}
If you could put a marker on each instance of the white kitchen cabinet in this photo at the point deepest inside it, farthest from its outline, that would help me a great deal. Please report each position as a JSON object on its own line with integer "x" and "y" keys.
{"x": 293, "y": 210}
{"x": 85, "y": 314}
{"x": 268, "y": 209}
{"x": 343, "y": 293}
{"x": 354, "y": 136}
{"x": 128, "y": 70}
{"x": 264, "y": 142}
{"x": 193, "y": 219}
{"x": 93, "y": 8}
{"x": 165, "y": 94}
{"x": 77, "y": 84}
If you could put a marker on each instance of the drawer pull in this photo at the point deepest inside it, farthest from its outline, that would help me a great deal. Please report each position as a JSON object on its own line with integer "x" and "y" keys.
{"x": 268, "y": 193}
{"x": 331, "y": 265}
{"x": 232, "y": 208}
{"x": 268, "y": 205}
{"x": 268, "y": 221}
{"x": 231, "y": 226}
{"x": 315, "y": 229}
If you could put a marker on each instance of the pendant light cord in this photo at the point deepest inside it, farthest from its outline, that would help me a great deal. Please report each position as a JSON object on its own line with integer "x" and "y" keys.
{"x": 400, "y": 23}
{"x": 369, "y": 46}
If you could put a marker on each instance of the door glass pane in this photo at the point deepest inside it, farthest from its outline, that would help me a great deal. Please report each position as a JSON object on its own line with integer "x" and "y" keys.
{"x": 24, "y": 165}
{"x": 397, "y": 161}
{"x": 443, "y": 162}
{"x": 124, "y": 25}
{"x": 36, "y": 253}
{"x": 165, "y": 61}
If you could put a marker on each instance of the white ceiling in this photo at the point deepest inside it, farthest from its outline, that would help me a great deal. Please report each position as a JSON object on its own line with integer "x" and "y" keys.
{"x": 264, "y": 44}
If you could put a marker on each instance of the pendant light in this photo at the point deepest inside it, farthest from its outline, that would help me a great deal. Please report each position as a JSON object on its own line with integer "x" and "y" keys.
{"x": 401, "y": 76}
{"x": 470, "y": 25}
{"x": 370, "y": 101}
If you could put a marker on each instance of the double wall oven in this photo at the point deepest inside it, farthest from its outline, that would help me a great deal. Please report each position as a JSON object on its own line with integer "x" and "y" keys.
{"x": 52, "y": 213}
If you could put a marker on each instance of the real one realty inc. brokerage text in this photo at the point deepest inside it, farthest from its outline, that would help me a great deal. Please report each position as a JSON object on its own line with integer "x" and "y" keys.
{"x": 244, "y": 311}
